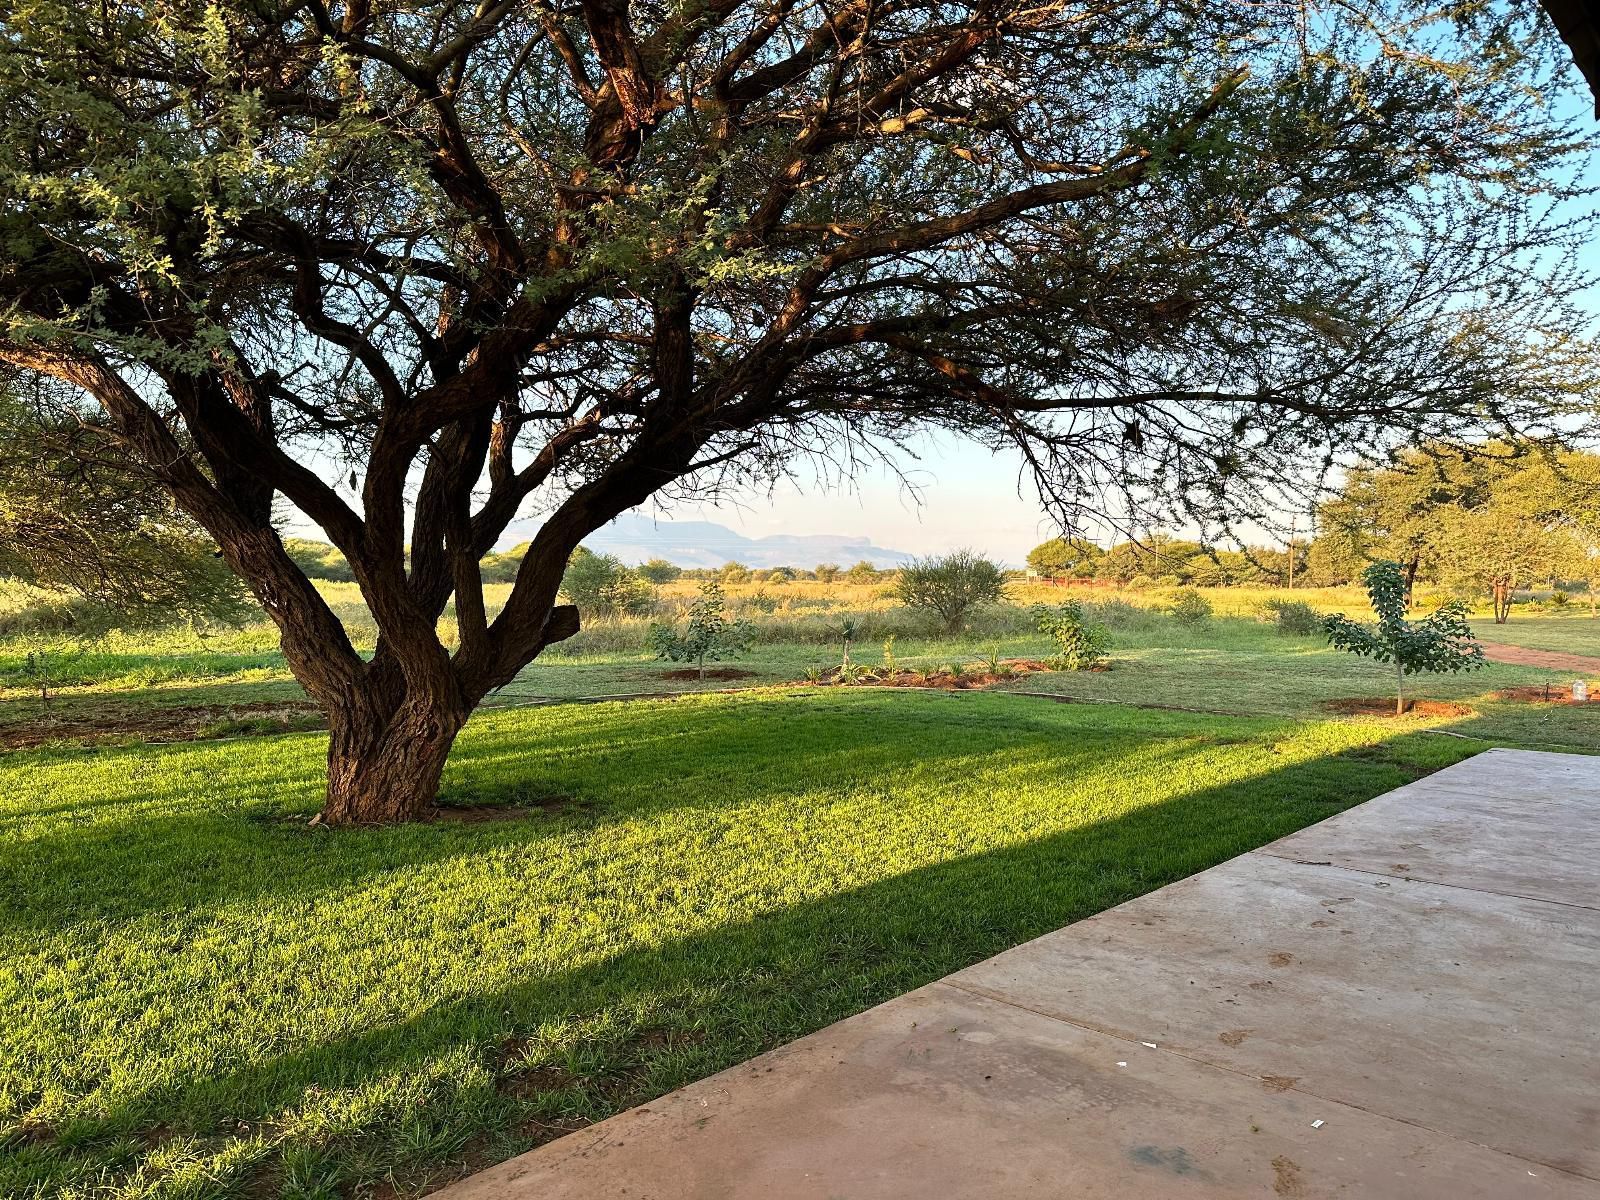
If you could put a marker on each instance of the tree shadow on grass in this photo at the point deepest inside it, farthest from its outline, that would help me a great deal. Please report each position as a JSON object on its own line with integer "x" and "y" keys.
{"x": 140, "y": 850}
{"x": 652, "y": 1017}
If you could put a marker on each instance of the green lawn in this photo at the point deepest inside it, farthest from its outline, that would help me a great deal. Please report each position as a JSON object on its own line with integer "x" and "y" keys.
{"x": 200, "y": 996}
{"x": 1577, "y": 633}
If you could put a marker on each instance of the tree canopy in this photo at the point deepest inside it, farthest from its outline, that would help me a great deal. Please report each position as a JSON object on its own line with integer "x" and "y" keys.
{"x": 418, "y": 268}
{"x": 74, "y": 519}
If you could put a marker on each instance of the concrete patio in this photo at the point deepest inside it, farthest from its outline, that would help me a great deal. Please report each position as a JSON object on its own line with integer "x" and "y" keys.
{"x": 1401, "y": 1001}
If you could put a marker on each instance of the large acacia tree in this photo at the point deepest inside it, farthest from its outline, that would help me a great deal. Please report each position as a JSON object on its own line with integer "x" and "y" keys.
{"x": 418, "y": 266}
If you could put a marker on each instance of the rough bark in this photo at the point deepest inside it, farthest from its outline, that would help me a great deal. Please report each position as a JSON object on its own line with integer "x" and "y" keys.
{"x": 383, "y": 769}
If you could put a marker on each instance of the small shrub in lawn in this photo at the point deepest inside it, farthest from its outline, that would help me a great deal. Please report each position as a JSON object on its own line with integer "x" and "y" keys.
{"x": 1080, "y": 645}
{"x": 1189, "y": 607}
{"x": 1439, "y": 643}
{"x": 1559, "y": 599}
{"x": 709, "y": 633}
{"x": 1294, "y": 618}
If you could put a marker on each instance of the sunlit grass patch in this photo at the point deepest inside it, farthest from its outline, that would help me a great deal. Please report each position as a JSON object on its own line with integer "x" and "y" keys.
{"x": 199, "y": 992}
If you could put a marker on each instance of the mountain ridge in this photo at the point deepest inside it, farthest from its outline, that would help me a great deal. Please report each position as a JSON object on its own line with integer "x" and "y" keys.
{"x": 635, "y": 538}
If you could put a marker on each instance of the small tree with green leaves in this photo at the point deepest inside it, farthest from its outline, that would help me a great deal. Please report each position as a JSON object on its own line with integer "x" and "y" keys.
{"x": 951, "y": 586}
{"x": 709, "y": 634}
{"x": 1080, "y": 645}
{"x": 1440, "y": 643}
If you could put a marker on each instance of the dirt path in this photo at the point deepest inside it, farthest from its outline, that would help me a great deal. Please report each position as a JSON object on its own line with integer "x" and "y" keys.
{"x": 1554, "y": 660}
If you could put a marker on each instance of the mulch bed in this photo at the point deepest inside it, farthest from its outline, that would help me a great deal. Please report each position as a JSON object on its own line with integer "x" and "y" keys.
{"x": 1383, "y": 706}
{"x": 179, "y": 723}
{"x": 711, "y": 673}
{"x": 1539, "y": 694}
{"x": 940, "y": 681}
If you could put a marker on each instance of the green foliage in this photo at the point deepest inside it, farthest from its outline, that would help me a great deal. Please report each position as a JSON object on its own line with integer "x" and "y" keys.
{"x": 1065, "y": 557}
{"x": 659, "y": 570}
{"x": 1293, "y": 617}
{"x": 319, "y": 560}
{"x": 1080, "y": 645}
{"x": 849, "y": 631}
{"x": 709, "y": 634}
{"x": 1440, "y": 643}
{"x": 1189, "y": 607}
{"x": 826, "y": 572}
{"x": 733, "y": 572}
{"x": 862, "y": 572}
{"x": 503, "y": 567}
{"x": 600, "y": 584}
{"x": 79, "y": 522}
{"x": 951, "y": 585}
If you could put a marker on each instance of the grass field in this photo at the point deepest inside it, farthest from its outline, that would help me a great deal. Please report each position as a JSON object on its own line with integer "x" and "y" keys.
{"x": 236, "y": 682}
{"x": 203, "y": 997}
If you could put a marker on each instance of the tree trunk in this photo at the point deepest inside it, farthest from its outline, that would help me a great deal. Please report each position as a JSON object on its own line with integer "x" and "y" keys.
{"x": 1399, "y": 689}
{"x": 383, "y": 769}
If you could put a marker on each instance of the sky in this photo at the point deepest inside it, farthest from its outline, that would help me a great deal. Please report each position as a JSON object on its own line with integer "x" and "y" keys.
{"x": 961, "y": 495}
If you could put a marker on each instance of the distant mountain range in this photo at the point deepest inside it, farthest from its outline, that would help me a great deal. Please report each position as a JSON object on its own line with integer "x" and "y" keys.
{"x": 635, "y": 538}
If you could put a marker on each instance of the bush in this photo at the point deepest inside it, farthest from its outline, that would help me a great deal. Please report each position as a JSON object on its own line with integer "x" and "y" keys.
{"x": 1293, "y": 617}
{"x": 951, "y": 586}
{"x": 1079, "y": 645}
{"x": 1141, "y": 581}
{"x": 1189, "y": 607}
{"x": 659, "y": 570}
{"x": 600, "y": 584}
{"x": 709, "y": 633}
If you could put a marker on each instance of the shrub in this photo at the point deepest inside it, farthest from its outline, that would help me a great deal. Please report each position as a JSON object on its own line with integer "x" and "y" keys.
{"x": 1079, "y": 645}
{"x": 1189, "y": 607}
{"x": 1559, "y": 599}
{"x": 659, "y": 570}
{"x": 599, "y": 583}
{"x": 1141, "y": 581}
{"x": 708, "y": 634}
{"x": 826, "y": 572}
{"x": 1293, "y": 617}
{"x": 1440, "y": 642}
{"x": 951, "y": 586}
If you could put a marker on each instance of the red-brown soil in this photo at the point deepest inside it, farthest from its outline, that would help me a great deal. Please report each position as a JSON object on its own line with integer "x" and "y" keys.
{"x": 1555, "y": 693}
{"x": 1383, "y": 706}
{"x": 711, "y": 673}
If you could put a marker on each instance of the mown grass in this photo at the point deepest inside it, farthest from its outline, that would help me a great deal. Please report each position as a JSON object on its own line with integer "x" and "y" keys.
{"x": 200, "y": 996}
